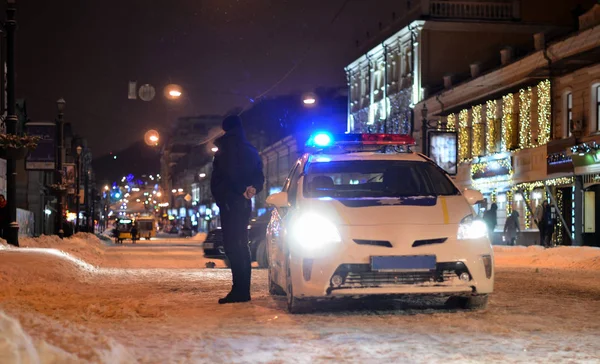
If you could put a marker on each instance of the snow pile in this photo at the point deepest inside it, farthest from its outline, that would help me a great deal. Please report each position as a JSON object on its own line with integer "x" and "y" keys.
{"x": 82, "y": 245}
{"x": 4, "y": 244}
{"x": 18, "y": 347}
{"x": 200, "y": 237}
{"x": 564, "y": 257}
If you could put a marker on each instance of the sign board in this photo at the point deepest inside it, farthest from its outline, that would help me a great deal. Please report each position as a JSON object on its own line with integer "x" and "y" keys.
{"x": 69, "y": 177}
{"x": 42, "y": 158}
{"x": 443, "y": 150}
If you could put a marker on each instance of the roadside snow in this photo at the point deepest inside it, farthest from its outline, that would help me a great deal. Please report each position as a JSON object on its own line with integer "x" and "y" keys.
{"x": 564, "y": 257}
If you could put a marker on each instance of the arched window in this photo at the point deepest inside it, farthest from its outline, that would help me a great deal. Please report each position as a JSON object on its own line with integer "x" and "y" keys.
{"x": 568, "y": 113}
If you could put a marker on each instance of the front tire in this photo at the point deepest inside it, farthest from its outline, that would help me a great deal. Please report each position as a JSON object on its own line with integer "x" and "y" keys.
{"x": 294, "y": 305}
{"x": 261, "y": 254}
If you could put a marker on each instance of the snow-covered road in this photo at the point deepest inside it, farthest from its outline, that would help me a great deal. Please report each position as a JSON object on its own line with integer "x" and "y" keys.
{"x": 119, "y": 308}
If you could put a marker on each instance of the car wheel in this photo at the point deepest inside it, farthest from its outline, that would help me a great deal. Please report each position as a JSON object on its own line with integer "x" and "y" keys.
{"x": 295, "y": 305}
{"x": 261, "y": 254}
{"x": 274, "y": 288}
{"x": 477, "y": 302}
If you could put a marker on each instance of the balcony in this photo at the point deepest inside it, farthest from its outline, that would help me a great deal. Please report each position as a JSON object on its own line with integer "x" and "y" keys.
{"x": 480, "y": 10}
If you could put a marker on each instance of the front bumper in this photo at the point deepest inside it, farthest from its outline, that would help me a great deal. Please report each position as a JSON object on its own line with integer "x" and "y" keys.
{"x": 463, "y": 268}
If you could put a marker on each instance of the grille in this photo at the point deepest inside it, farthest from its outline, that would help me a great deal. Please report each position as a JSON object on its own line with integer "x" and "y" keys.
{"x": 377, "y": 279}
{"x": 429, "y": 242}
{"x": 383, "y": 243}
{"x": 361, "y": 275}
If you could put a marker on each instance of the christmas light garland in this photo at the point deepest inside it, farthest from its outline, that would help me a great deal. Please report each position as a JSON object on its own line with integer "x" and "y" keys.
{"x": 477, "y": 130}
{"x": 559, "y": 224}
{"x": 544, "y": 110}
{"x": 525, "y": 118}
{"x": 507, "y": 121}
{"x": 491, "y": 108}
{"x": 509, "y": 202}
{"x": 463, "y": 136}
{"x": 451, "y": 122}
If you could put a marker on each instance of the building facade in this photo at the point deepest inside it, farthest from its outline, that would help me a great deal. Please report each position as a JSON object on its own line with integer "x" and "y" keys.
{"x": 528, "y": 132}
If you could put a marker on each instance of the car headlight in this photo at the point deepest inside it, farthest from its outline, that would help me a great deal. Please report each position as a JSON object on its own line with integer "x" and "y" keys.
{"x": 313, "y": 231}
{"x": 471, "y": 228}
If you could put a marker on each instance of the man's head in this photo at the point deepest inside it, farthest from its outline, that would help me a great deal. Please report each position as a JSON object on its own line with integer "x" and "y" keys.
{"x": 2, "y": 198}
{"x": 232, "y": 122}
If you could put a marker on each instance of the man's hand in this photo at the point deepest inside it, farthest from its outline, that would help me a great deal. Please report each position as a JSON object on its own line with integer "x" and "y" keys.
{"x": 250, "y": 192}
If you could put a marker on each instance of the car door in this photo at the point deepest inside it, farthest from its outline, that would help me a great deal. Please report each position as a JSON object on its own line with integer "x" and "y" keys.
{"x": 276, "y": 243}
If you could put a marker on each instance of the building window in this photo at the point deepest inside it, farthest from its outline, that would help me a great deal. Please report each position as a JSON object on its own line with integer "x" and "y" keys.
{"x": 569, "y": 114}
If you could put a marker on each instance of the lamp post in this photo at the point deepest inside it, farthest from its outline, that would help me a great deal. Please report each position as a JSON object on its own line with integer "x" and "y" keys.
{"x": 60, "y": 104}
{"x": 10, "y": 26}
{"x": 78, "y": 184}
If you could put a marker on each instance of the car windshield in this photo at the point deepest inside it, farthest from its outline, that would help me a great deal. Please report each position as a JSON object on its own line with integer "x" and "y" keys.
{"x": 376, "y": 178}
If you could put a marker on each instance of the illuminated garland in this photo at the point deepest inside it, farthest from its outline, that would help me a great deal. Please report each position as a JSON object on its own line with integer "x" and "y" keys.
{"x": 507, "y": 121}
{"x": 463, "y": 136}
{"x": 491, "y": 108}
{"x": 527, "y": 200}
{"x": 451, "y": 122}
{"x": 544, "y": 109}
{"x": 477, "y": 131}
{"x": 560, "y": 181}
{"x": 559, "y": 224}
{"x": 497, "y": 167}
{"x": 558, "y": 158}
{"x": 525, "y": 118}
{"x": 509, "y": 202}
{"x": 494, "y": 196}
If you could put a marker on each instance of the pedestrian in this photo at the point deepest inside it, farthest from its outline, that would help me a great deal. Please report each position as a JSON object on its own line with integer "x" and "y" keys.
{"x": 237, "y": 177}
{"x": 511, "y": 228}
{"x": 548, "y": 223}
{"x": 4, "y": 217}
{"x": 134, "y": 233}
{"x": 538, "y": 218}
{"x": 490, "y": 217}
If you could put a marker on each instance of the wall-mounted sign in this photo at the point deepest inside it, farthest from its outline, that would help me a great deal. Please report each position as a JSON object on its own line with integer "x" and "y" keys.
{"x": 443, "y": 150}
{"x": 42, "y": 157}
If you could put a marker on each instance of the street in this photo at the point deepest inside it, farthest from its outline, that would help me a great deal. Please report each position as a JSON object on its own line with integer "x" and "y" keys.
{"x": 152, "y": 304}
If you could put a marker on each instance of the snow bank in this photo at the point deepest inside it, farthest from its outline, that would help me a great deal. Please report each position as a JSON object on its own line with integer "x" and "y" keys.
{"x": 18, "y": 347}
{"x": 564, "y": 257}
{"x": 84, "y": 246}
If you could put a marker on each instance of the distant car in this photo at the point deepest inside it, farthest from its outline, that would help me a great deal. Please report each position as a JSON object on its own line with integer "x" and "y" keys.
{"x": 213, "y": 245}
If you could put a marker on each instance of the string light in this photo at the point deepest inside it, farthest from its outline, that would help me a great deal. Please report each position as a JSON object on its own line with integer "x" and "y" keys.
{"x": 525, "y": 118}
{"x": 509, "y": 202}
{"x": 507, "y": 121}
{"x": 559, "y": 224}
{"x": 477, "y": 130}
{"x": 463, "y": 136}
{"x": 544, "y": 109}
{"x": 451, "y": 122}
{"x": 491, "y": 108}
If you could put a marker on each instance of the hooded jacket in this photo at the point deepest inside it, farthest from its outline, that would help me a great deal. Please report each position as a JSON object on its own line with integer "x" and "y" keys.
{"x": 236, "y": 166}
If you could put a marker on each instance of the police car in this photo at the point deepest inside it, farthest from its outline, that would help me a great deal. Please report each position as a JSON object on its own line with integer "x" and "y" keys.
{"x": 362, "y": 215}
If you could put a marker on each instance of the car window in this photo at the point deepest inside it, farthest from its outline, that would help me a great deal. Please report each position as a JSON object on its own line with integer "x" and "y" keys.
{"x": 376, "y": 178}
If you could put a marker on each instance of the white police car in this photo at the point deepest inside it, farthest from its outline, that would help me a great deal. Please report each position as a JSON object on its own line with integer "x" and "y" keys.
{"x": 362, "y": 215}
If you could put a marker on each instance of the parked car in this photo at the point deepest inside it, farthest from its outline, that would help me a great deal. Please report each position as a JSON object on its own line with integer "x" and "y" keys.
{"x": 213, "y": 245}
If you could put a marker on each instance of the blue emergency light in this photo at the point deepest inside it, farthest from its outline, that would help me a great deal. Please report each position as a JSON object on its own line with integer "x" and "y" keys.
{"x": 325, "y": 139}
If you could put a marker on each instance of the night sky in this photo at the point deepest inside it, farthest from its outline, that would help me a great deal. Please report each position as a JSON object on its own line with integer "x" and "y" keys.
{"x": 221, "y": 51}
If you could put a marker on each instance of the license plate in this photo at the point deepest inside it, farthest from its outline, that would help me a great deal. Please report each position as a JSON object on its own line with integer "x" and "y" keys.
{"x": 209, "y": 245}
{"x": 404, "y": 263}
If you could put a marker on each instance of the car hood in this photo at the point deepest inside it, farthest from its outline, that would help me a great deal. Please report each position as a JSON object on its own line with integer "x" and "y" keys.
{"x": 422, "y": 210}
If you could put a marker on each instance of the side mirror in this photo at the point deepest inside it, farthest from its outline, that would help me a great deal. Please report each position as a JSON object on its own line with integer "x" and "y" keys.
{"x": 472, "y": 196}
{"x": 278, "y": 200}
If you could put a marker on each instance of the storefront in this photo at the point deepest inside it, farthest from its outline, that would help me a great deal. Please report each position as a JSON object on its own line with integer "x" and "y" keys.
{"x": 586, "y": 161}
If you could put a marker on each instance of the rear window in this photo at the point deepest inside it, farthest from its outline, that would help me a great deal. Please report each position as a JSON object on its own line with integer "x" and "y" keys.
{"x": 376, "y": 178}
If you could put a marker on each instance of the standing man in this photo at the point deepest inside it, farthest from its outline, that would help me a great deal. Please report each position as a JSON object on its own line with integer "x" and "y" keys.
{"x": 539, "y": 220}
{"x": 236, "y": 177}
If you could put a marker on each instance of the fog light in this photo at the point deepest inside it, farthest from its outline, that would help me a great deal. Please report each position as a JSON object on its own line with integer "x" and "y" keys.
{"x": 337, "y": 280}
{"x": 487, "y": 263}
{"x": 464, "y": 276}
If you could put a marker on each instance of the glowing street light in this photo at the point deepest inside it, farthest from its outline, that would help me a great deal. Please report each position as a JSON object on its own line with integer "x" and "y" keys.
{"x": 214, "y": 149}
{"x": 309, "y": 99}
{"x": 173, "y": 92}
{"x": 152, "y": 138}
{"x": 202, "y": 175}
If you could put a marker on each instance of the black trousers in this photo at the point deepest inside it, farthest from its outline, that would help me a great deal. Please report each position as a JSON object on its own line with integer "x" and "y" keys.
{"x": 234, "y": 222}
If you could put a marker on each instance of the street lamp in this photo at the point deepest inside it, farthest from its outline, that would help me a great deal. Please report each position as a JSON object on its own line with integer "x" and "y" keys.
{"x": 60, "y": 105}
{"x": 79, "y": 149}
{"x": 152, "y": 138}
{"x": 202, "y": 175}
{"x": 214, "y": 149}
{"x": 309, "y": 99}
{"x": 173, "y": 92}
{"x": 10, "y": 27}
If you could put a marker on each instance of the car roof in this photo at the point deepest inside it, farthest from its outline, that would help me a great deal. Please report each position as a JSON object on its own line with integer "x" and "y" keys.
{"x": 316, "y": 158}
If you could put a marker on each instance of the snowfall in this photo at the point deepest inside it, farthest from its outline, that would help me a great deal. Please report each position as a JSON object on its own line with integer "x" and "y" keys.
{"x": 86, "y": 300}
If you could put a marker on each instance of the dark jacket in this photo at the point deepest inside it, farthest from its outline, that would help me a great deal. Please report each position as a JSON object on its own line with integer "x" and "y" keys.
{"x": 236, "y": 166}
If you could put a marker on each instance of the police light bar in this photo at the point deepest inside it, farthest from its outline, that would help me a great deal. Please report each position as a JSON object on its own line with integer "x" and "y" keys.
{"x": 324, "y": 139}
